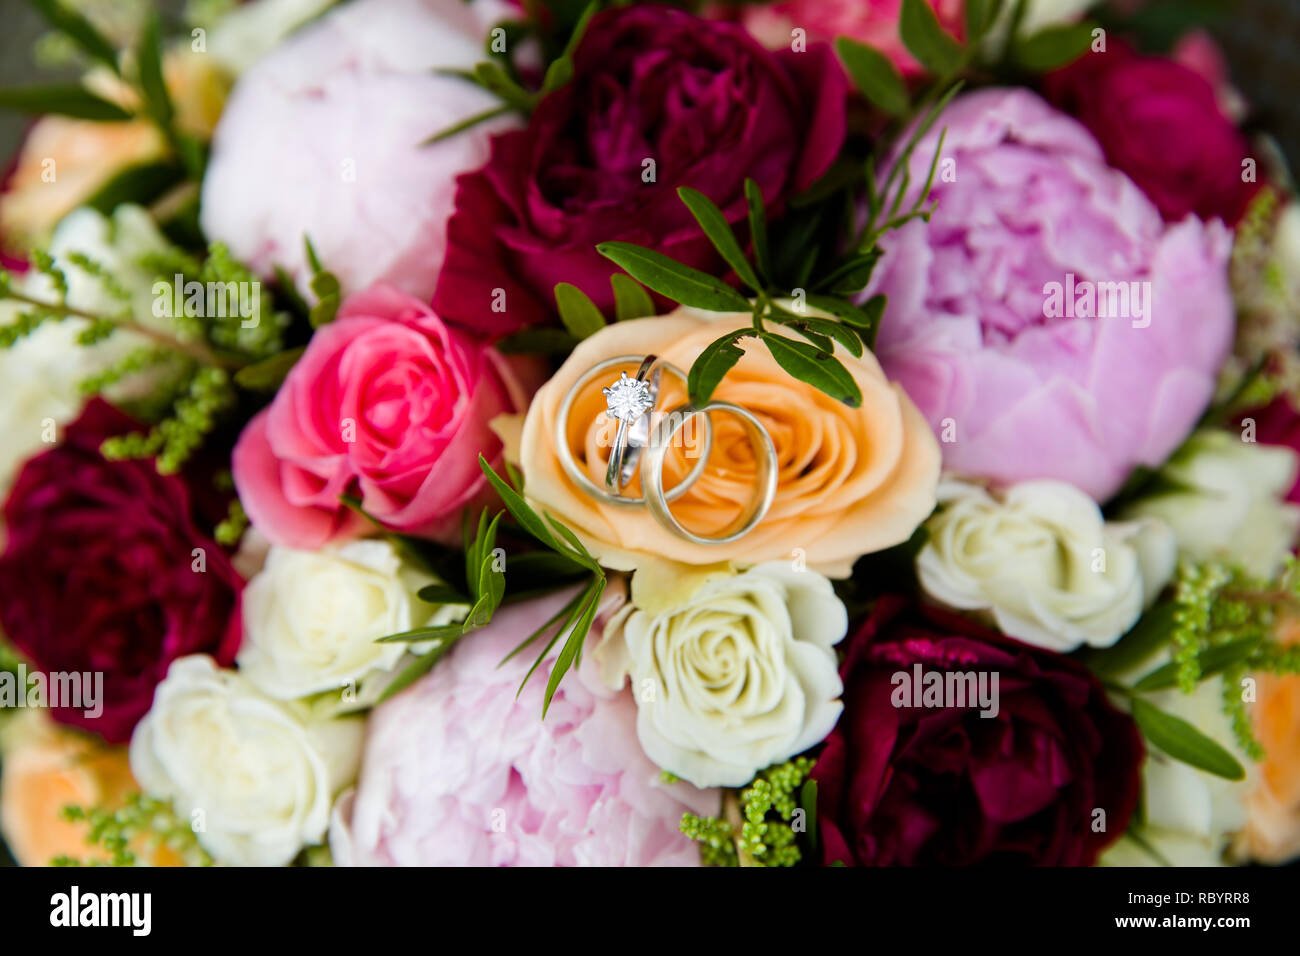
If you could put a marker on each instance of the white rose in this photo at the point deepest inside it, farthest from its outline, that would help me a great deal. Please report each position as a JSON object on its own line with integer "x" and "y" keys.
{"x": 1232, "y": 507}
{"x": 731, "y": 672}
{"x": 41, "y": 372}
{"x": 312, "y": 618}
{"x": 1043, "y": 562}
{"x": 256, "y": 781}
{"x": 1190, "y": 815}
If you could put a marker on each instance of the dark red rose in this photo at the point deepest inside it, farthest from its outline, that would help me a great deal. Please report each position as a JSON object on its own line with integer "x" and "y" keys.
{"x": 1277, "y": 423}
{"x": 946, "y": 786}
{"x": 1159, "y": 122}
{"x": 99, "y": 572}
{"x": 702, "y": 99}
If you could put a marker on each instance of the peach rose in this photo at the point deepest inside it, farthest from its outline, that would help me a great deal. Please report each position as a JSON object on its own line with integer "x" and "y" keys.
{"x": 48, "y": 768}
{"x": 62, "y": 163}
{"x": 1272, "y": 832}
{"x": 851, "y": 480}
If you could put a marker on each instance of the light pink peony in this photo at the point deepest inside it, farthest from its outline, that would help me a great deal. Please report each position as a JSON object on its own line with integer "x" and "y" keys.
{"x": 386, "y": 402}
{"x": 322, "y": 138}
{"x": 457, "y": 771}
{"x": 1012, "y": 393}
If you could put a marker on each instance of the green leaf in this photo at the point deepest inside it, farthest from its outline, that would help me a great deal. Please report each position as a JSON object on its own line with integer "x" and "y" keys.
{"x": 80, "y": 30}
{"x": 1152, "y": 631}
{"x": 851, "y": 276}
{"x": 670, "y": 278}
{"x": 561, "y": 69}
{"x": 268, "y": 374}
{"x": 152, "y": 85}
{"x": 441, "y": 594}
{"x": 980, "y": 15}
{"x": 926, "y": 40}
{"x": 808, "y": 801}
{"x": 719, "y": 231}
{"x": 528, "y": 519}
{"x": 569, "y": 653}
{"x": 416, "y": 669}
{"x": 717, "y": 359}
{"x": 466, "y": 123}
{"x": 538, "y": 342}
{"x": 875, "y": 310}
{"x": 140, "y": 184}
{"x": 1054, "y": 46}
{"x": 563, "y": 613}
{"x": 874, "y": 76}
{"x": 578, "y": 547}
{"x": 65, "y": 100}
{"x": 494, "y": 79}
{"x": 438, "y": 632}
{"x": 819, "y": 369}
{"x": 631, "y": 300}
{"x": 578, "y": 313}
{"x": 1180, "y": 740}
{"x": 1212, "y": 661}
{"x": 826, "y": 328}
{"x": 312, "y": 259}
{"x": 758, "y": 227}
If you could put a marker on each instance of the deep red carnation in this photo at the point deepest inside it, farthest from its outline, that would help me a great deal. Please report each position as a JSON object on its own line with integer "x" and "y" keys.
{"x": 945, "y": 786}
{"x": 99, "y": 571}
{"x": 701, "y": 99}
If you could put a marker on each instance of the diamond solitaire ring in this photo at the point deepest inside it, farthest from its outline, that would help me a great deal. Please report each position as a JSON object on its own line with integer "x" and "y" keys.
{"x": 629, "y": 401}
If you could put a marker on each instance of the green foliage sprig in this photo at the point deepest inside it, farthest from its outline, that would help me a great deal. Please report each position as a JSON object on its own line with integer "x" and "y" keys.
{"x": 1219, "y": 622}
{"x": 143, "y": 822}
{"x": 761, "y": 823}
{"x": 483, "y": 582}
{"x": 185, "y": 380}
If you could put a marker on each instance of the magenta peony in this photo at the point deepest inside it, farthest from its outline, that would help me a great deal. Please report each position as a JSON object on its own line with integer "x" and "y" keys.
{"x": 322, "y": 139}
{"x": 1046, "y": 321}
{"x": 1163, "y": 124}
{"x": 659, "y": 100}
{"x": 458, "y": 771}
{"x": 388, "y": 403}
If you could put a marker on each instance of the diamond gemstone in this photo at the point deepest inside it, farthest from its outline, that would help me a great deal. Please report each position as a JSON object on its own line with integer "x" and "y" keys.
{"x": 628, "y": 398}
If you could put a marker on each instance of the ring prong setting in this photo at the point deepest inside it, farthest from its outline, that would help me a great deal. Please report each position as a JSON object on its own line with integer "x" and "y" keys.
{"x": 627, "y": 399}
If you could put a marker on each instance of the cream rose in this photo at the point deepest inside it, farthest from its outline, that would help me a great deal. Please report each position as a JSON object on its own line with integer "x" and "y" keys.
{"x": 1043, "y": 562}
{"x": 1228, "y": 501}
{"x": 851, "y": 480}
{"x": 312, "y": 619}
{"x": 257, "y": 781}
{"x": 731, "y": 672}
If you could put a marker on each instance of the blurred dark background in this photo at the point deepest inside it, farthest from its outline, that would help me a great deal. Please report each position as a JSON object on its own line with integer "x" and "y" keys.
{"x": 1260, "y": 37}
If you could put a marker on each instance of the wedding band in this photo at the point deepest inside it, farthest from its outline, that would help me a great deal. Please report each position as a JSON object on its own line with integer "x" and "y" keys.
{"x": 633, "y": 431}
{"x": 652, "y": 465}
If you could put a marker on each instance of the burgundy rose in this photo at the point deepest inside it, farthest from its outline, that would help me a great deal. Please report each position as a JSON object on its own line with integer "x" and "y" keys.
{"x": 947, "y": 786}
{"x": 1277, "y": 423}
{"x": 1159, "y": 122}
{"x": 700, "y": 98}
{"x": 100, "y": 573}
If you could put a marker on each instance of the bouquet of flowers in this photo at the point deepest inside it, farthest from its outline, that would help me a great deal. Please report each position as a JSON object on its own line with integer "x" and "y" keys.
{"x": 631, "y": 433}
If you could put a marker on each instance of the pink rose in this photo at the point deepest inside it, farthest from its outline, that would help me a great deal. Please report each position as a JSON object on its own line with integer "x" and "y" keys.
{"x": 873, "y": 22}
{"x": 324, "y": 138}
{"x": 387, "y": 402}
{"x": 992, "y": 324}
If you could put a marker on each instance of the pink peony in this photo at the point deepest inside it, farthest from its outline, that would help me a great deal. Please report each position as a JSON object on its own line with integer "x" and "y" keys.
{"x": 387, "y": 402}
{"x": 1012, "y": 372}
{"x": 458, "y": 771}
{"x": 322, "y": 138}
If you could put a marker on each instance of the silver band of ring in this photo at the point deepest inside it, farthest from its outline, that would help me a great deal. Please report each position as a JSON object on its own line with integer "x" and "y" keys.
{"x": 652, "y": 471}
{"x": 630, "y": 439}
